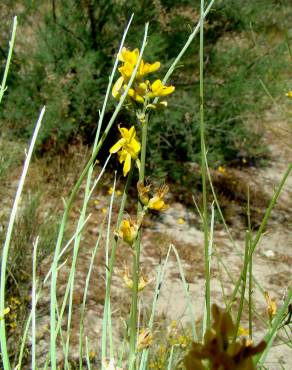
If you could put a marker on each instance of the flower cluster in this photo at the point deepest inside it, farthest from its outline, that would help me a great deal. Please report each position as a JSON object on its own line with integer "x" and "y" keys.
{"x": 219, "y": 347}
{"x": 142, "y": 89}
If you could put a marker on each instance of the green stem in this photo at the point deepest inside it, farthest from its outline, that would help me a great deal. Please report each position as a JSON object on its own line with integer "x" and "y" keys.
{"x": 111, "y": 267}
{"x": 8, "y": 61}
{"x": 270, "y": 208}
{"x": 4, "y": 352}
{"x": 262, "y": 227}
{"x": 185, "y": 47}
{"x": 249, "y": 268}
{"x": 243, "y": 276}
{"x": 136, "y": 257}
{"x": 203, "y": 169}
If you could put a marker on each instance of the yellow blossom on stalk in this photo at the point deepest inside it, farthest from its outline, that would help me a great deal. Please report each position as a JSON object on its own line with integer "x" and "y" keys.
{"x": 5, "y": 312}
{"x": 157, "y": 89}
{"x": 128, "y": 147}
{"x": 129, "y": 59}
{"x": 156, "y": 203}
{"x": 271, "y": 306}
{"x": 143, "y": 280}
{"x": 145, "y": 339}
{"x": 220, "y": 349}
{"x": 146, "y": 68}
{"x": 289, "y": 94}
{"x": 128, "y": 231}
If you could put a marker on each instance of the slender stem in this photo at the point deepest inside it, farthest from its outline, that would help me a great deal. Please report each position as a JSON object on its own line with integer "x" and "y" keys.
{"x": 111, "y": 267}
{"x": 262, "y": 227}
{"x": 270, "y": 208}
{"x": 250, "y": 293}
{"x": 243, "y": 276}
{"x": 187, "y": 44}
{"x": 4, "y": 352}
{"x": 203, "y": 170}
{"x": 249, "y": 268}
{"x": 33, "y": 304}
{"x": 136, "y": 257}
{"x": 8, "y": 61}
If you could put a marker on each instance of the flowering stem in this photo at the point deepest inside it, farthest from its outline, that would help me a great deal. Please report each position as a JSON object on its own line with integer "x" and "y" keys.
{"x": 203, "y": 170}
{"x": 136, "y": 257}
{"x": 53, "y": 300}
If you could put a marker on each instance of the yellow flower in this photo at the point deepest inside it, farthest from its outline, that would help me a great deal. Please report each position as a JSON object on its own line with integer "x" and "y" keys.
{"x": 156, "y": 203}
{"x": 145, "y": 339}
{"x": 271, "y": 306}
{"x": 5, "y": 312}
{"x": 128, "y": 231}
{"x": 146, "y": 68}
{"x": 289, "y": 94}
{"x": 220, "y": 349}
{"x": 127, "y": 56}
{"x": 242, "y": 332}
{"x": 128, "y": 148}
{"x": 181, "y": 221}
{"x": 129, "y": 59}
{"x": 158, "y": 89}
{"x": 118, "y": 193}
{"x": 221, "y": 169}
{"x": 143, "y": 280}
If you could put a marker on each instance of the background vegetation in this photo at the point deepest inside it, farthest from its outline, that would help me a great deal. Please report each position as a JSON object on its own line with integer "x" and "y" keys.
{"x": 66, "y": 56}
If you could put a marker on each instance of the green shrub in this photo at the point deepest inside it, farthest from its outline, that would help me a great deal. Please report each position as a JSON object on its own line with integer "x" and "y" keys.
{"x": 69, "y": 69}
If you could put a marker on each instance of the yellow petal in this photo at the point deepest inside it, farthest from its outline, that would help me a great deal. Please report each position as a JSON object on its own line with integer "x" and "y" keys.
{"x": 135, "y": 96}
{"x": 117, "y": 146}
{"x": 167, "y": 90}
{"x": 154, "y": 67}
{"x": 126, "y": 71}
{"x": 132, "y": 133}
{"x": 158, "y": 89}
{"x": 122, "y": 155}
{"x": 127, "y": 165}
{"x": 156, "y": 86}
{"x": 124, "y": 132}
{"x": 117, "y": 87}
{"x": 135, "y": 146}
